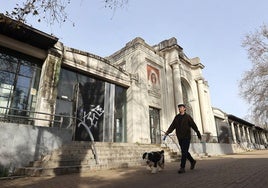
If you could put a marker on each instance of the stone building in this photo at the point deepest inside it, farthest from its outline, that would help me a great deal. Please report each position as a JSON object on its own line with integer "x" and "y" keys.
{"x": 162, "y": 76}
{"x": 130, "y": 96}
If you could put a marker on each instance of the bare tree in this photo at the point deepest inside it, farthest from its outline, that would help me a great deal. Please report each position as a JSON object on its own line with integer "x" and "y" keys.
{"x": 254, "y": 84}
{"x": 51, "y": 10}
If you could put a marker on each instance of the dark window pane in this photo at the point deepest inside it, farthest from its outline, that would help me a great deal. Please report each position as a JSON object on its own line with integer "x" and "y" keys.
{"x": 68, "y": 80}
{"x": 20, "y": 99}
{"x": 8, "y": 63}
{"x": 7, "y": 78}
{"x": 119, "y": 114}
{"x": 86, "y": 97}
{"x": 26, "y": 70}
{"x": 64, "y": 108}
{"x": 23, "y": 81}
{"x": 23, "y": 90}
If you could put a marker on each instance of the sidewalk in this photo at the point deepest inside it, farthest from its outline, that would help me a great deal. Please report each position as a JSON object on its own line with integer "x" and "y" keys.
{"x": 245, "y": 170}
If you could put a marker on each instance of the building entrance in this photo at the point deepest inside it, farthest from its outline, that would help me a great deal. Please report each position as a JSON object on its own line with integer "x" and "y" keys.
{"x": 99, "y": 105}
{"x": 154, "y": 115}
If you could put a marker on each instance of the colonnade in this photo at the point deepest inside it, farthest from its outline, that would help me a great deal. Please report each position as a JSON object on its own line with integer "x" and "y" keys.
{"x": 248, "y": 136}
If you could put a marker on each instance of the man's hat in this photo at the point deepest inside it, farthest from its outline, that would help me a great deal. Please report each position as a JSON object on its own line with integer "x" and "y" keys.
{"x": 179, "y": 105}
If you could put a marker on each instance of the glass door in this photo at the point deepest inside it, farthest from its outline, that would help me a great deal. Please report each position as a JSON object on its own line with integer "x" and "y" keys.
{"x": 154, "y": 115}
{"x": 96, "y": 106}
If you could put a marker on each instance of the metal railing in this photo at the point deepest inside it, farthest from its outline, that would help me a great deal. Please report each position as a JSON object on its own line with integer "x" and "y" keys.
{"x": 171, "y": 140}
{"x": 15, "y": 115}
{"x": 93, "y": 148}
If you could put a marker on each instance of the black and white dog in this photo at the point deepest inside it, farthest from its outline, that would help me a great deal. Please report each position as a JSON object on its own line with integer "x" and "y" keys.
{"x": 154, "y": 160}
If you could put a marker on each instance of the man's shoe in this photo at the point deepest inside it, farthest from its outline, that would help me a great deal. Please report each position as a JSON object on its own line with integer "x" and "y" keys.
{"x": 193, "y": 165}
{"x": 182, "y": 170}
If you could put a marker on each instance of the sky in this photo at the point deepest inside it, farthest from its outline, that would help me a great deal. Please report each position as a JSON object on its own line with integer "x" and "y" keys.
{"x": 212, "y": 30}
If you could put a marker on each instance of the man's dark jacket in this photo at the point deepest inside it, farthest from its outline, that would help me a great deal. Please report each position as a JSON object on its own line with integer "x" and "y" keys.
{"x": 183, "y": 124}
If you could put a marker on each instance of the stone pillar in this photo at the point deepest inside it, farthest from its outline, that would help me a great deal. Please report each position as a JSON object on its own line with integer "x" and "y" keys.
{"x": 177, "y": 83}
{"x": 259, "y": 136}
{"x": 256, "y": 137}
{"x": 244, "y": 134}
{"x": 264, "y": 138}
{"x": 200, "y": 87}
{"x": 47, "y": 93}
{"x": 233, "y": 132}
{"x": 239, "y": 133}
{"x": 252, "y": 135}
{"x": 248, "y": 134}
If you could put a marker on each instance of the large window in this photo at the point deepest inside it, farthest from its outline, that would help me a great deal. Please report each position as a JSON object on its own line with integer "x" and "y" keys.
{"x": 19, "y": 80}
{"x": 119, "y": 114}
{"x": 98, "y": 104}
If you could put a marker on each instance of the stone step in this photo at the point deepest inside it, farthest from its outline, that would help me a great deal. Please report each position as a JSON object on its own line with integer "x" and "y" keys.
{"x": 104, "y": 156}
{"x": 90, "y": 155}
{"x": 78, "y": 156}
{"x": 77, "y": 150}
{"x": 54, "y": 171}
{"x": 86, "y": 161}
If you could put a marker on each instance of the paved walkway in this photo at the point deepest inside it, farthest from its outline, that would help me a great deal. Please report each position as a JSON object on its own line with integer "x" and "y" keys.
{"x": 245, "y": 170}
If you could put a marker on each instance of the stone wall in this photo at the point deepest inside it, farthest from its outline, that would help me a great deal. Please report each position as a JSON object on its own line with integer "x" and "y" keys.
{"x": 20, "y": 144}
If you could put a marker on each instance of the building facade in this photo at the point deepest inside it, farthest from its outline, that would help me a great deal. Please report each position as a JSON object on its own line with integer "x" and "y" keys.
{"x": 162, "y": 76}
{"x": 130, "y": 96}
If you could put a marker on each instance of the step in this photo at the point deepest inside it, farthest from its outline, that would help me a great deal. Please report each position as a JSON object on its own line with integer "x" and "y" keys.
{"x": 46, "y": 171}
{"x": 78, "y": 157}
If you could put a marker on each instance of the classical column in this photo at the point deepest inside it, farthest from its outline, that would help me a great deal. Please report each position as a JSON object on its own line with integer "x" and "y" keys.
{"x": 261, "y": 137}
{"x": 233, "y": 132}
{"x": 244, "y": 139}
{"x": 258, "y": 137}
{"x": 252, "y": 135}
{"x": 200, "y": 87}
{"x": 264, "y": 138}
{"x": 239, "y": 133}
{"x": 255, "y": 134}
{"x": 177, "y": 83}
{"x": 248, "y": 134}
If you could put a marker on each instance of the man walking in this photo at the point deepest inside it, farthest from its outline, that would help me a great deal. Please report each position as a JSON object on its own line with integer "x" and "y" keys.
{"x": 183, "y": 123}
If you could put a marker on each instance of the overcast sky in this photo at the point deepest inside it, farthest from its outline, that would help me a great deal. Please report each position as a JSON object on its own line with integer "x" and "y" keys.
{"x": 209, "y": 29}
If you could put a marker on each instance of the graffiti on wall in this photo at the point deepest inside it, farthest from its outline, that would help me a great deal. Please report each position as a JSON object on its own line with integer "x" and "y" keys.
{"x": 93, "y": 116}
{"x": 91, "y": 122}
